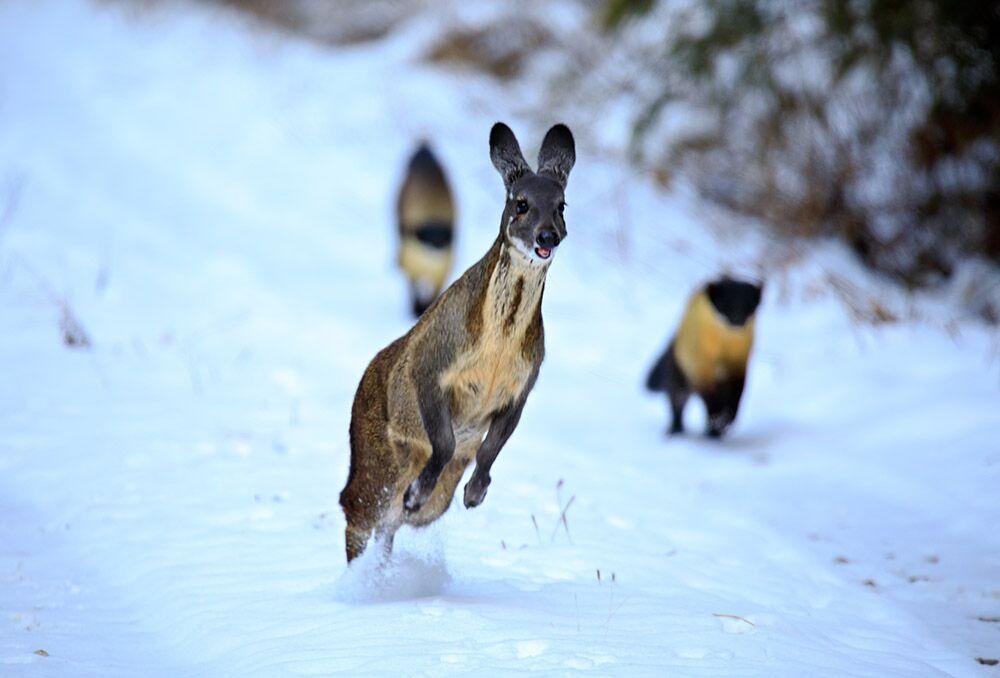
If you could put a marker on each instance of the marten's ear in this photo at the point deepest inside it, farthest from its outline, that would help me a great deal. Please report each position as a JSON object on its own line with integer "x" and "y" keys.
{"x": 558, "y": 154}
{"x": 506, "y": 155}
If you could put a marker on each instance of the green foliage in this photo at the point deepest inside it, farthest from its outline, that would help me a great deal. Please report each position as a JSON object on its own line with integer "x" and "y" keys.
{"x": 841, "y": 96}
{"x": 616, "y": 12}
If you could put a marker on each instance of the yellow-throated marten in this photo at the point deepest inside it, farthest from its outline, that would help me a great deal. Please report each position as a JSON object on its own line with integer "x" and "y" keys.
{"x": 708, "y": 355}
{"x": 426, "y": 216}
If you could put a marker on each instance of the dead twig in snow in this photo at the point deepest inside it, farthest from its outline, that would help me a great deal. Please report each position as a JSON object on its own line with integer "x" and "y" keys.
{"x": 73, "y": 334}
{"x": 562, "y": 520}
{"x": 562, "y": 514}
{"x": 864, "y": 308}
{"x": 537, "y": 531}
{"x": 612, "y": 608}
{"x": 733, "y": 616}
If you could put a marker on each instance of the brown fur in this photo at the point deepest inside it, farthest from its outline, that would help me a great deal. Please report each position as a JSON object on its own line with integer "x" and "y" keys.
{"x": 452, "y": 389}
{"x": 499, "y": 350}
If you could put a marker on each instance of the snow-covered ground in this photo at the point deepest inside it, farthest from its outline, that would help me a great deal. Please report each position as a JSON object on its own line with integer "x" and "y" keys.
{"x": 212, "y": 202}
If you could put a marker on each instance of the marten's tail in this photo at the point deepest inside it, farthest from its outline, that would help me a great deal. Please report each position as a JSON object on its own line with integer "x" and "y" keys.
{"x": 657, "y": 379}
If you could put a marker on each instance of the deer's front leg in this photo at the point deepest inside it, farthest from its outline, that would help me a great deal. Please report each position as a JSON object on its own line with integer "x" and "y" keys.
{"x": 501, "y": 427}
{"x": 435, "y": 411}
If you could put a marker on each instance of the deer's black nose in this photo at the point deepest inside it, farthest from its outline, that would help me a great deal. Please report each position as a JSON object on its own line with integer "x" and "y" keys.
{"x": 547, "y": 238}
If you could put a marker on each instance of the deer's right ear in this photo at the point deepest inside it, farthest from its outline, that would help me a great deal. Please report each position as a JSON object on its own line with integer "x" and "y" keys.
{"x": 506, "y": 155}
{"x": 558, "y": 154}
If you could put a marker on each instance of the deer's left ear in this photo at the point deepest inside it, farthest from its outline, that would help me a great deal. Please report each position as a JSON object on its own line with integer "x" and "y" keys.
{"x": 558, "y": 154}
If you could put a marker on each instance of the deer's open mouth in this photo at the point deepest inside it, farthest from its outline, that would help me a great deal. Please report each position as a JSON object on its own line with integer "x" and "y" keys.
{"x": 543, "y": 252}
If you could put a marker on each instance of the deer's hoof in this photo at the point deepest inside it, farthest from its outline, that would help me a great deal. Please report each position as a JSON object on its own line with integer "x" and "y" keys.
{"x": 475, "y": 493}
{"x": 415, "y": 497}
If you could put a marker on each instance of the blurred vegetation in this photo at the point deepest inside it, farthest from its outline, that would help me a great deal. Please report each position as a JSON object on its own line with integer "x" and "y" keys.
{"x": 873, "y": 121}
{"x": 877, "y": 121}
{"x": 341, "y": 23}
{"x": 501, "y": 50}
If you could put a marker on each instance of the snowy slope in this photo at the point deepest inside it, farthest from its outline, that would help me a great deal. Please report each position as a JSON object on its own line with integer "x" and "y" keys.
{"x": 213, "y": 201}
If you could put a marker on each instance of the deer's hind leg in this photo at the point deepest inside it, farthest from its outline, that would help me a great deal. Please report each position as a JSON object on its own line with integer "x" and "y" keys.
{"x": 356, "y": 539}
{"x": 367, "y": 497}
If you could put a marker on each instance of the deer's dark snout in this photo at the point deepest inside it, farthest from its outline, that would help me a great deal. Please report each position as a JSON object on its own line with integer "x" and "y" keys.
{"x": 547, "y": 238}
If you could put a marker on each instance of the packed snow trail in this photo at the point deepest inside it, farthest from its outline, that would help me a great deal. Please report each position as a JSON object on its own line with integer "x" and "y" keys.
{"x": 212, "y": 202}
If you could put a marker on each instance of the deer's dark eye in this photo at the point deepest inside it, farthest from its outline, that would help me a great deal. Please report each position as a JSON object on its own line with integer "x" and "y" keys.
{"x": 521, "y": 206}
{"x": 561, "y": 208}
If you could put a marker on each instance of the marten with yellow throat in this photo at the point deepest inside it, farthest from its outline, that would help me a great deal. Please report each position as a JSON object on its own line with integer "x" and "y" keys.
{"x": 709, "y": 354}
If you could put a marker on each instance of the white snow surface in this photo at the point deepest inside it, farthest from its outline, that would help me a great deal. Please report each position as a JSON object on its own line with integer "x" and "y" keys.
{"x": 213, "y": 203}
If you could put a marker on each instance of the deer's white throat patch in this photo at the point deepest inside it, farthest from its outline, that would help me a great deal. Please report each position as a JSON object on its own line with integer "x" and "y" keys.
{"x": 529, "y": 256}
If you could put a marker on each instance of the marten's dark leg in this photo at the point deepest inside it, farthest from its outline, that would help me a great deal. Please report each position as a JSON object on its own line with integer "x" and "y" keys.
{"x": 722, "y": 404}
{"x": 678, "y": 391}
{"x": 678, "y": 400}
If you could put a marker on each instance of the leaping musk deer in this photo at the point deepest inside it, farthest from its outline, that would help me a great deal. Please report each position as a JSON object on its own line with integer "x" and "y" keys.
{"x": 453, "y": 387}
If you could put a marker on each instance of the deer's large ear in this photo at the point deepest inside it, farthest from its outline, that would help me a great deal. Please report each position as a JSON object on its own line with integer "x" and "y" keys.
{"x": 506, "y": 155}
{"x": 558, "y": 154}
